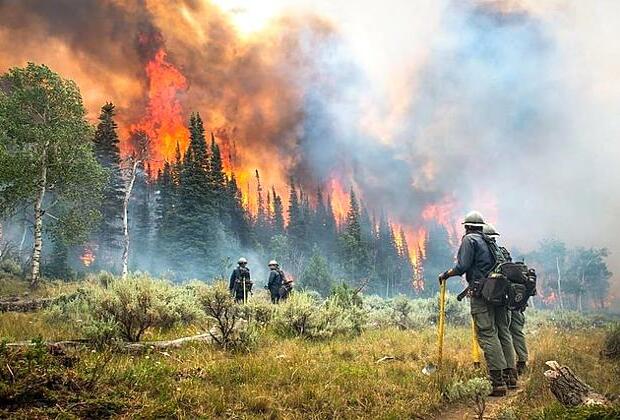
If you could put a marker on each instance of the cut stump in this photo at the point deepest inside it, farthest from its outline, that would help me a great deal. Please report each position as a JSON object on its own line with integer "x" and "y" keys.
{"x": 569, "y": 389}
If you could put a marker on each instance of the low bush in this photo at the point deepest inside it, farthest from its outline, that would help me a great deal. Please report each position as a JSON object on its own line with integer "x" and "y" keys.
{"x": 227, "y": 327}
{"x": 138, "y": 303}
{"x": 10, "y": 266}
{"x": 475, "y": 391}
{"x": 611, "y": 346}
{"x": 303, "y": 316}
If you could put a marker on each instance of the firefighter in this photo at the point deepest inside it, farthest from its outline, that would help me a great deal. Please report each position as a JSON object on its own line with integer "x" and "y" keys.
{"x": 240, "y": 285}
{"x": 276, "y": 280}
{"x": 476, "y": 261}
{"x": 517, "y": 316}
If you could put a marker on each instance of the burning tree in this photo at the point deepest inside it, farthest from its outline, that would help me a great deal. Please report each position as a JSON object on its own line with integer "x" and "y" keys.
{"x": 46, "y": 159}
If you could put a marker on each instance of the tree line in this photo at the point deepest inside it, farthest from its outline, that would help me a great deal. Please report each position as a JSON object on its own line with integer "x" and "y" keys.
{"x": 67, "y": 194}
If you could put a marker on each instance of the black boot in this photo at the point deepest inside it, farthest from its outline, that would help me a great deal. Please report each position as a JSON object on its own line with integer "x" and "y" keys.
{"x": 510, "y": 377}
{"x": 498, "y": 383}
{"x": 521, "y": 366}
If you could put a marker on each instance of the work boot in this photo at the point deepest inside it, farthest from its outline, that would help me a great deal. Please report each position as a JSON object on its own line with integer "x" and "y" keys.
{"x": 498, "y": 384}
{"x": 510, "y": 377}
{"x": 521, "y": 366}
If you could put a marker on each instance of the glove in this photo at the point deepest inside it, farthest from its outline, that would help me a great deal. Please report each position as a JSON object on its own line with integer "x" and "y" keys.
{"x": 445, "y": 276}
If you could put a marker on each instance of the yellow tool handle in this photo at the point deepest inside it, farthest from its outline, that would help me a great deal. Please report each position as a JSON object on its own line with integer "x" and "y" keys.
{"x": 442, "y": 321}
{"x": 475, "y": 349}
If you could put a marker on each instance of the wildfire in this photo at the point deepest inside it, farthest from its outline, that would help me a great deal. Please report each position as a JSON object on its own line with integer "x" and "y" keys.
{"x": 163, "y": 122}
{"x": 340, "y": 199}
{"x": 87, "y": 257}
{"x": 550, "y": 299}
{"x": 443, "y": 213}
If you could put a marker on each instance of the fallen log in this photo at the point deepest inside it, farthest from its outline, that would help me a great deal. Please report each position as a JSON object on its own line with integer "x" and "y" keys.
{"x": 569, "y": 389}
{"x": 16, "y": 304}
{"x": 124, "y": 345}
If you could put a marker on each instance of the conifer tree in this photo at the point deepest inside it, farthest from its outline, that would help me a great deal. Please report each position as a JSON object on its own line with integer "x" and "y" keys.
{"x": 295, "y": 218}
{"x": 354, "y": 253}
{"x": 108, "y": 234}
{"x": 439, "y": 255}
{"x": 278, "y": 213}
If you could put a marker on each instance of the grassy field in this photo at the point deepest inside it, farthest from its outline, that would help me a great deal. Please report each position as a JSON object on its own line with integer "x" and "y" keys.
{"x": 291, "y": 378}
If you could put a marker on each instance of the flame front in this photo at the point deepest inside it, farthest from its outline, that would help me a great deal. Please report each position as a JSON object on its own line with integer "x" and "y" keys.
{"x": 163, "y": 121}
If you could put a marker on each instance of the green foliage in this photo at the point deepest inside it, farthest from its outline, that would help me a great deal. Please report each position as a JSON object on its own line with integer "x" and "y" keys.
{"x": 475, "y": 391}
{"x": 558, "y": 411}
{"x": 303, "y": 316}
{"x": 10, "y": 266}
{"x": 611, "y": 347}
{"x": 316, "y": 274}
{"x": 138, "y": 303}
{"x": 228, "y": 329}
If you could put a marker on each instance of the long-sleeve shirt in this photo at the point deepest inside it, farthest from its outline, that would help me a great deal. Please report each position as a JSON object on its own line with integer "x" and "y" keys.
{"x": 474, "y": 258}
{"x": 275, "y": 280}
{"x": 238, "y": 273}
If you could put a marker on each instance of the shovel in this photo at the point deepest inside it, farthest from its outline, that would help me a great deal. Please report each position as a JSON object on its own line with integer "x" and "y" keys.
{"x": 441, "y": 329}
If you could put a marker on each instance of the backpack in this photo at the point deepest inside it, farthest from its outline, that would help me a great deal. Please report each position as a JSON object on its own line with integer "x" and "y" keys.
{"x": 509, "y": 283}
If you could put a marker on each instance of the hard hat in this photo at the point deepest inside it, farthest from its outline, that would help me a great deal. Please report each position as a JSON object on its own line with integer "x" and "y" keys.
{"x": 474, "y": 218}
{"x": 242, "y": 261}
{"x": 489, "y": 229}
{"x": 273, "y": 262}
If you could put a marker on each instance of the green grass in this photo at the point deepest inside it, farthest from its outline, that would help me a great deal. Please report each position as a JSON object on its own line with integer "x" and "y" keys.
{"x": 282, "y": 378}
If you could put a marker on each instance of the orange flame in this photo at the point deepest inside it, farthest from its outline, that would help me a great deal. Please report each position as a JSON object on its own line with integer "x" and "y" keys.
{"x": 340, "y": 200}
{"x": 163, "y": 122}
{"x": 87, "y": 257}
{"x": 550, "y": 299}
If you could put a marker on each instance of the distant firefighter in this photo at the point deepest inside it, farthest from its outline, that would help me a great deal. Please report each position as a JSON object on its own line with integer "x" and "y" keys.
{"x": 279, "y": 287}
{"x": 240, "y": 283}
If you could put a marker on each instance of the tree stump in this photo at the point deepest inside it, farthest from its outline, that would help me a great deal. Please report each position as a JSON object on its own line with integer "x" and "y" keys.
{"x": 569, "y": 389}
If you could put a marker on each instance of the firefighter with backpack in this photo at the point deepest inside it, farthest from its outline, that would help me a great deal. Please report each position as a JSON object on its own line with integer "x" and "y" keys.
{"x": 477, "y": 261}
{"x": 517, "y": 315}
{"x": 278, "y": 285}
{"x": 240, "y": 284}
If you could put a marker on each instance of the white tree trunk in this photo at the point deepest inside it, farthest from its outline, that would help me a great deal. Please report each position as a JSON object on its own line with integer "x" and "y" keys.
{"x": 557, "y": 264}
{"x": 38, "y": 223}
{"x": 129, "y": 187}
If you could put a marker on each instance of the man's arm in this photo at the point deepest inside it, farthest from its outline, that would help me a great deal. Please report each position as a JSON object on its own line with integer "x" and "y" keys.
{"x": 464, "y": 260}
{"x": 233, "y": 277}
{"x": 272, "y": 277}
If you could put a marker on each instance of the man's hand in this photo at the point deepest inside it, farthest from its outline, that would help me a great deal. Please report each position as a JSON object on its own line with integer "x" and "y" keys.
{"x": 444, "y": 276}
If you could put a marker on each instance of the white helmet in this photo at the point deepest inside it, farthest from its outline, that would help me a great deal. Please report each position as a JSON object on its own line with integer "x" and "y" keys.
{"x": 242, "y": 261}
{"x": 273, "y": 262}
{"x": 474, "y": 218}
{"x": 489, "y": 229}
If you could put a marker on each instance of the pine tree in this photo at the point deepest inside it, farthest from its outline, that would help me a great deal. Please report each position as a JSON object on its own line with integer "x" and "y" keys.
{"x": 295, "y": 228}
{"x": 439, "y": 256}
{"x": 278, "y": 213}
{"x": 106, "y": 145}
{"x": 197, "y": 230}
{"x": 239, "y": 218}
{"x": 354, "y": 253}
{"x": 261, "y": 225}
{"x": 142, "y": 227}
{"x": 406, "y": 269}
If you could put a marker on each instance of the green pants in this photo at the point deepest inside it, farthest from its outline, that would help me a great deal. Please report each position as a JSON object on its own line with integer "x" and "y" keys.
{"x": 493, "y": 330}
{"x": 517, "y": 322}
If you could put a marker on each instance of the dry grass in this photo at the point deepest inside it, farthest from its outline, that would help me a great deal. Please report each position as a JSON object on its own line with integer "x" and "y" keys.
{"x": 288, "y": 378}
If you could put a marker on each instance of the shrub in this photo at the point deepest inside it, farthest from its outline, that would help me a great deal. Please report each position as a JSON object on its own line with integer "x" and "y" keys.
{"x": 10, "y": 266}
{"x": 611, "y": 347}
{"x": 475, "y": 391}
{"x": 225, "y": 315}
{"x": 138, "y": 303}
{"x": 259, "y": 309}
{"x": 303, "y": 316}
